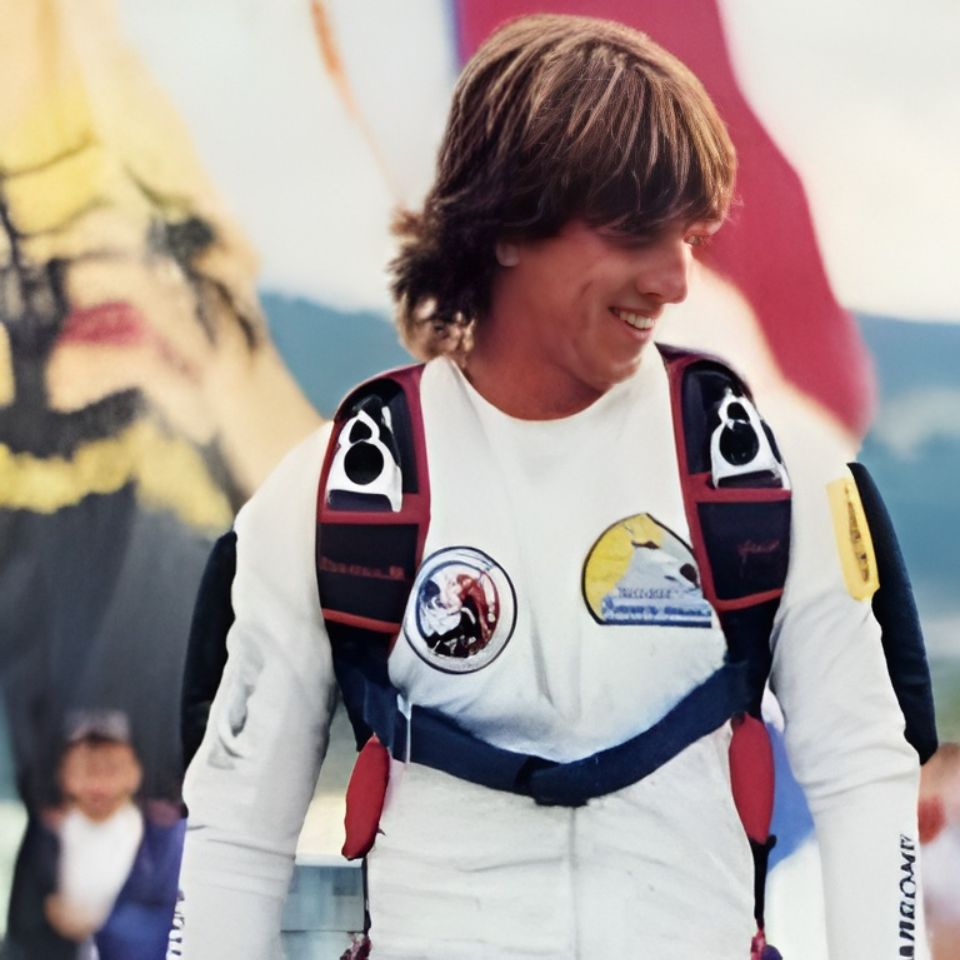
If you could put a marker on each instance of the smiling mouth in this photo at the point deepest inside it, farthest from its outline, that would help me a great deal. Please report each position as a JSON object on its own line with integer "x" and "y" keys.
{"x": 639, "y": 321}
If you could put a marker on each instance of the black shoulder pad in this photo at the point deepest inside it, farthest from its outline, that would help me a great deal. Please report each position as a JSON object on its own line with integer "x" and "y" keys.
{"x": 207, "y": 647}
{"x": 896, "y": 612}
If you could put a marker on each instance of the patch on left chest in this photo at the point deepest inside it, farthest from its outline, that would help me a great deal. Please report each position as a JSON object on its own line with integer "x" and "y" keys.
{"x": 462, "y": 610}
{"x": 639, "y": 572}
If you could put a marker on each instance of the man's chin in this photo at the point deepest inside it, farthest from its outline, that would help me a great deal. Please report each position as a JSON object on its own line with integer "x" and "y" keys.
{"x": 621, "y": 372}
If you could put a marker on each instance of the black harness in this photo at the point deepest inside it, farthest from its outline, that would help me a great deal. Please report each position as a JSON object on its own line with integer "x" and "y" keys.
{"x": 372, "y": 518}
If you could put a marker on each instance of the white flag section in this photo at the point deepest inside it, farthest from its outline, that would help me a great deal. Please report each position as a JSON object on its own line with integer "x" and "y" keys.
{"x": 862, "y": 98}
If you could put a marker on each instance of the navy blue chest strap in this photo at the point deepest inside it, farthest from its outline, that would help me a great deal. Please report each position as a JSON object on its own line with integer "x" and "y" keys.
{"x": 434, "y": 740}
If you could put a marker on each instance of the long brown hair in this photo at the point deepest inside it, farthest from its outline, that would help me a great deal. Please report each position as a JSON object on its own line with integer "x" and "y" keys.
{"x": 554, "y": 118}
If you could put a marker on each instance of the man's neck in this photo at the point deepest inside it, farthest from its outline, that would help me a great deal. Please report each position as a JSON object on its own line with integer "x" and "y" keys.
{"x": 506, "y": 378}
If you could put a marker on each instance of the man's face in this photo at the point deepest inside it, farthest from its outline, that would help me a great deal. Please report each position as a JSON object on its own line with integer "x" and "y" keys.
{"x": 584, "y": 303}
{"x": 99, "y": 777}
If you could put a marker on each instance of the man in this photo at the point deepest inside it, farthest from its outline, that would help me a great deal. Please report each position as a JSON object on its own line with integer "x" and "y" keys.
{"x": 581, "y": 167}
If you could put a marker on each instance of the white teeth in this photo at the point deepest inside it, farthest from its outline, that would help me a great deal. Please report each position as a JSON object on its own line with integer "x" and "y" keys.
{"x": 636, "y": 320}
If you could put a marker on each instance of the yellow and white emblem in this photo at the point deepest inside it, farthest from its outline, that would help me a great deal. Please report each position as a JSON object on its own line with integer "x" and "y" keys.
{"x": 854, "y": 543}
{"x": 639, "y": 572}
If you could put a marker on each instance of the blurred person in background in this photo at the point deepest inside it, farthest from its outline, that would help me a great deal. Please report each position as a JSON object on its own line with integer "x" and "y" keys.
{"x": 97, "y": 872}
{"x": 99, "y": 827}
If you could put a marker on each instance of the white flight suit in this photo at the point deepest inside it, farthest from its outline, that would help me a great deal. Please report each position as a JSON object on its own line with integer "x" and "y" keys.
{"x": 554, "y": 517}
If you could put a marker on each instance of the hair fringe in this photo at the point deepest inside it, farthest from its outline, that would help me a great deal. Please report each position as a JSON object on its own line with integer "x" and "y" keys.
{"x": 553, "y": 118}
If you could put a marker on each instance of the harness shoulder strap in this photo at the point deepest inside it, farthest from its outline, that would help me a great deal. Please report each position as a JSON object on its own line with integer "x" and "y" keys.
{"x": 736, "y": 496}
{"x": 373, "y": 511}
{"x": 373, "y": 504}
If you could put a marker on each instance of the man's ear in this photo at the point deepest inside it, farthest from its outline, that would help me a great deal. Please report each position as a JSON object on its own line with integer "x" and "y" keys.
{"x": 508, "y": 254}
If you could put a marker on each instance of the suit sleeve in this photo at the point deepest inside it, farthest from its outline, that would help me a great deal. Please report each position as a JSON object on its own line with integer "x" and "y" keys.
{"x": 845, "y": 736}
{"x": 249, "y": 785}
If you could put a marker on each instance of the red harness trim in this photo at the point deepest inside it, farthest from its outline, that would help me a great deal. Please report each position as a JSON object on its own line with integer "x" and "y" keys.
{"x": 750, "y": 753}
{"x": 697, "y": 489}
{"x": 410, "y": 512}
{"x": 415, "y": 505}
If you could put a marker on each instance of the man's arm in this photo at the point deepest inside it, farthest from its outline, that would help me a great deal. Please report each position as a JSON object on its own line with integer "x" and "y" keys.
{"x": 249, "y": 785}
{"x": 845, "y": 737}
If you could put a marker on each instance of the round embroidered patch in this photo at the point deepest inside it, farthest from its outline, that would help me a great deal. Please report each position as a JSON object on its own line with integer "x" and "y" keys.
{"x": 462, "y": 610}
{"x": 640, "y": 572}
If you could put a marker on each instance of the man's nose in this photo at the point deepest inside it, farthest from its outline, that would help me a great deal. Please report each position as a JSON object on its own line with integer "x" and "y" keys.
{"x": 668, "y": 272}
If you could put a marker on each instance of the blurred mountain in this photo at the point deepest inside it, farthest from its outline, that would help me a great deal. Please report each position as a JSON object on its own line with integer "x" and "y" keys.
{"x": 329, "y": 351}
{"x": 913, "y": 451}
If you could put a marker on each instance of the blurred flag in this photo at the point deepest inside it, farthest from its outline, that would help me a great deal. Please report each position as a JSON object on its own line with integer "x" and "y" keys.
{"x": 141, "y": 400}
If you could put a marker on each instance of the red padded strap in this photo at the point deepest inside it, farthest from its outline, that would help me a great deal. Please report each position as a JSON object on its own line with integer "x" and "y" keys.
{"x": 751, "y": 775}
{"x": 365, "y": 795}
